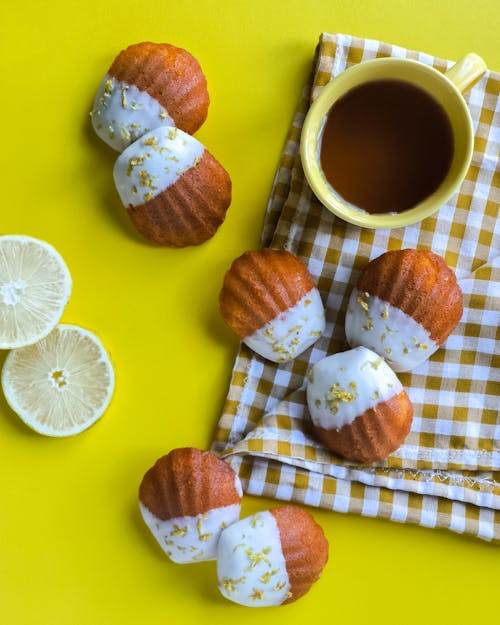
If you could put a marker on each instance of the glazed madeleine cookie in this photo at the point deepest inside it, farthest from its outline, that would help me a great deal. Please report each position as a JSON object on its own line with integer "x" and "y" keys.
{"x": 270, "y": 301}
{"x": 186, "y": 499}
{"x": 271, "y": 558}
{"x": 149, "y": 85}
{"x": 176, "y": 192}
{"x": 358, "y": 407}
{"x": 405, "y": 305}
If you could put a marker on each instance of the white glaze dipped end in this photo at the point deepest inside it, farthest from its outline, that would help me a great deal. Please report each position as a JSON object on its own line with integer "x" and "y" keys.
{"x": 251, "y": 567}
{"x": 388, "y": 331}
{"x": 292, "y": 331}
{"x": 122, "y": 113}
{"x": 345, "y": 385}
{"x": 153, "y": 163}
{"x": 191, "y": 538}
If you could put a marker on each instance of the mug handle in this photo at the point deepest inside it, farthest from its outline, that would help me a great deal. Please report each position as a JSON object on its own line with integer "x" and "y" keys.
{"x": 466, "y": 72}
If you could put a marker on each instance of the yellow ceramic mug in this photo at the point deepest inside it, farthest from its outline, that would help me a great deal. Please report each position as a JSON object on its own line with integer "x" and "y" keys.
{"x": 446, "y": 88}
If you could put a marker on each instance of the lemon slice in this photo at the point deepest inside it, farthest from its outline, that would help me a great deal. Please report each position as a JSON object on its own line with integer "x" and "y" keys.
{"x": 35, "y": 286}
{"x": 60, "y": 385}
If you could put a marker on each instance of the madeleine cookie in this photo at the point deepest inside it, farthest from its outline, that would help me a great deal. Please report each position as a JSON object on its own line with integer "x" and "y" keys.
{"x": 270, "y": 301}
{"x": 186, "y": 499}
{"x": 149, "y": 85}
{"x": 358, "y": 407}
{"x": 405, "y": 305}
{"x": 175, "y": 191}
{"x": 271, "y": 558}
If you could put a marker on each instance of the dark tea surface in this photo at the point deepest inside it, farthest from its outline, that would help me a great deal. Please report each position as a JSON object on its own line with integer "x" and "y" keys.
{"x": 386, "y": 146}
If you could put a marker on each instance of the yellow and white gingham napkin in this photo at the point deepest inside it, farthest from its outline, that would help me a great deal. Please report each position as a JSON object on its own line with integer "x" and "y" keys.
{"x": 447, "y": 472}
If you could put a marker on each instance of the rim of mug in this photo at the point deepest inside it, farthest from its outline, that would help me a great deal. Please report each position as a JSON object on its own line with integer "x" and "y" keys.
{"x": 325, "y": 193}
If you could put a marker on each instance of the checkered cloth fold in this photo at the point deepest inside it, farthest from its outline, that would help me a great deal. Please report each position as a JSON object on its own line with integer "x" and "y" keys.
{"x": 447, "y": 472}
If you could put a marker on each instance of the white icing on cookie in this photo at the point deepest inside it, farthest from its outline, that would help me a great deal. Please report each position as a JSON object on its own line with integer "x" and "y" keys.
{"x": 122, "y": 113}
{"x": 341, "y": 387}
{"x": 251, "y": 567}
{"x": 153, "y": 163}
{"x": 291, "y": 332}
{"x": 388, "y": 331}
{"x": 191, "y": 538}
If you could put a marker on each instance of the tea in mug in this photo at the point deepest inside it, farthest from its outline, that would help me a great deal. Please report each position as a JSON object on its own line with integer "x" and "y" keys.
{"x": 386, "y": 146}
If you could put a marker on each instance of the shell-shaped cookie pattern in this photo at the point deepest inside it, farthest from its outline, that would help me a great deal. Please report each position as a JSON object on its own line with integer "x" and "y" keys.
{"x": 270, "y": 558}
{"x": 358, "y": 406}
{"x": 404, "y": 306}
{"x": 149, "y": 85}
{"x": 270, "y": 301}
{"x": 176, "y": 192}
{"x": 186, "y": 499}
{"x": 304, "y": 546}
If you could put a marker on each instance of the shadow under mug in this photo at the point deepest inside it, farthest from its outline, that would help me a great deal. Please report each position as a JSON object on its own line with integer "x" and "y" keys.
{"x": 446, "y": 88}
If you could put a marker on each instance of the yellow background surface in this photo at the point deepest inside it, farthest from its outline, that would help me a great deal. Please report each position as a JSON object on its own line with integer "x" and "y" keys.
{"x": 73, "y": 548}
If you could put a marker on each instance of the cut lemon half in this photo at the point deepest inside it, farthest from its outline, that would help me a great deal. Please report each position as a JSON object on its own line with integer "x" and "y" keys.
{"x": 35, "y": 286}
{"x": 61, "y": 385}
